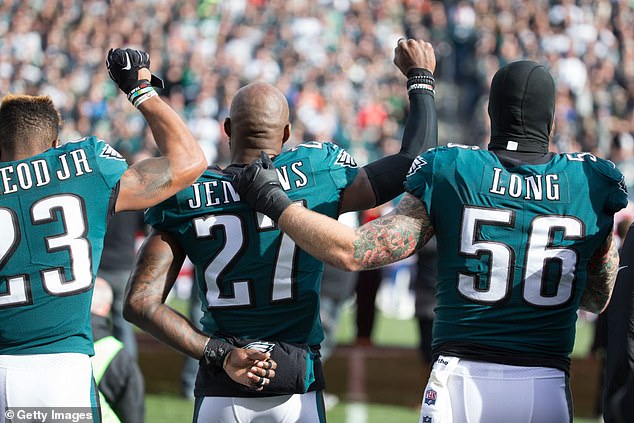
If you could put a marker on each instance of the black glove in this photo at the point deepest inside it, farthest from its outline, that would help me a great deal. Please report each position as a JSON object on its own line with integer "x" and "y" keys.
{"x": 258, "y": 185}
{"x": 123, "y": 67}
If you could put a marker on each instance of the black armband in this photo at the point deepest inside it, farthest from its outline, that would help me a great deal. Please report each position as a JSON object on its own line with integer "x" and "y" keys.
{"x": 215, "y": 352}
{"x": 421, "y": 128}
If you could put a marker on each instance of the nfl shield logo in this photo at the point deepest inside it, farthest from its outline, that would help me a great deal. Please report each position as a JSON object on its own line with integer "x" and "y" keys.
{"x": 430, "y": 397}
{"x": 426, "y": 419}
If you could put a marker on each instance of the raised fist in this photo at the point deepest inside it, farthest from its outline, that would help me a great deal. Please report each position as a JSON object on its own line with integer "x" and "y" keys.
{"x": 411, "y": 53}
{"x": 124, "y": 66}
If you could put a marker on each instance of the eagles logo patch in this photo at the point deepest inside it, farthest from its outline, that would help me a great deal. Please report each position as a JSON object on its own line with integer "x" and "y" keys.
{"x": 345, "y": 159}
{"x": 261, "y": 346}
{"x": 110, "y": 153}
{"x": 416, "y": 164}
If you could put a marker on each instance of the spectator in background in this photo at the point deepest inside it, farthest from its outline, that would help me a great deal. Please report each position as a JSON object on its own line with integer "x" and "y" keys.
{"x": 119, "y": 250}
{"x": 367, "y": 287}
{"x": 425, "y": 297}
{"x": 337, "y": 287}
{"x": 119, "y": 379}
{"x": 194, "y": 306}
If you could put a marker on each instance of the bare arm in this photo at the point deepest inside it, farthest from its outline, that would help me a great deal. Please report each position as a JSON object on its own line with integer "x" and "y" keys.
{"x": 151, "y": 181}
{"x": 155, "y": 272}
{"x": 602, "y": 270}
{"x": 382, "y": 241}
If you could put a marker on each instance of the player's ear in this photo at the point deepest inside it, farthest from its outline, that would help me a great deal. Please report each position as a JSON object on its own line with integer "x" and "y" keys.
{"x": 287, "y": 133}
{"x": 227, "y": 126}
{"x": 55, "y": 143}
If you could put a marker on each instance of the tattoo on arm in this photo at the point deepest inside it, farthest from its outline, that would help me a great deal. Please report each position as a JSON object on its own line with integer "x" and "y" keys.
{"x": 153, "y": 278}
{"x": 602, "y": 271}
{"x": 394, "y": 236}
{"x": 152, "y": 176}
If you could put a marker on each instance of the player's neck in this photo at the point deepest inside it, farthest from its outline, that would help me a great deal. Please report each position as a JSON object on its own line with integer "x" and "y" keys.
{"x": 250, "y": 155}
{"x": 14, "y": 156}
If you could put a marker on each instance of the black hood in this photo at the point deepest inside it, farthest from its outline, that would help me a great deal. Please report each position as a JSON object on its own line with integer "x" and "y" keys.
{"x": 521, "y": 107}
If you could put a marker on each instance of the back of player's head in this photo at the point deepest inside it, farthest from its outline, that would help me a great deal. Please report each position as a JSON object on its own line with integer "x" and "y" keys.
{"x": 521, "y": 107}
{"x": 258, "y": 116}
{"x": 26, "y": 121}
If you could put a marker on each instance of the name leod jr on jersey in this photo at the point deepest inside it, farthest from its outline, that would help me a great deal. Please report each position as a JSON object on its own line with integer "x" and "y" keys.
{"x": 36, "y": 173}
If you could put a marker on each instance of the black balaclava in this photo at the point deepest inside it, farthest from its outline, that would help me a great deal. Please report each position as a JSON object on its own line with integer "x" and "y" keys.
{"x": 521, "y": 108}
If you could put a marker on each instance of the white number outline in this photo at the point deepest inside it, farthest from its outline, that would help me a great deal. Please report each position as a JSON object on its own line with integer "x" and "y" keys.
{"x": 70, "y": 208}
{"x": 18, "y": 292}
{"x": 540, "y": 251}
{"x": 284, "y": 286}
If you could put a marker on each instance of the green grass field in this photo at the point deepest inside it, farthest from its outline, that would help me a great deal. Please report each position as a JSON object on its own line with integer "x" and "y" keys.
{"x": 169, "y": 408}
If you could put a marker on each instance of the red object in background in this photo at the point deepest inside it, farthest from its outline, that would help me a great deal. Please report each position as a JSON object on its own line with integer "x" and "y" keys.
{"x": 372, "y": 114}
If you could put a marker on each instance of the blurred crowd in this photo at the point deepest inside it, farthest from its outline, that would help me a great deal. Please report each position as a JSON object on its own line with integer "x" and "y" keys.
{"x": 332, "y": 58}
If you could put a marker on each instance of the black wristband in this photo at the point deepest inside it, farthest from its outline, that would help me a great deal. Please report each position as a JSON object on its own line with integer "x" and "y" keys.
{"x": 140, "y": 92}
{"x": 414, "y": 72}
{"x": 215, "y": 352}
{"x": 420, "y": 80}
{"x": 275, "y": 204}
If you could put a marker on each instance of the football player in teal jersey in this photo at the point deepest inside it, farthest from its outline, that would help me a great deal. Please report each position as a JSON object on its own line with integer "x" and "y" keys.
{"x": 55, "y": 202}
{"x": 259, "y": 291}
{"x": 524, "y": 240}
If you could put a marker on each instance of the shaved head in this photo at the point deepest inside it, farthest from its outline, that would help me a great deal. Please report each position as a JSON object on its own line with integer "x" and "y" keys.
{"x": 258, "y": 119}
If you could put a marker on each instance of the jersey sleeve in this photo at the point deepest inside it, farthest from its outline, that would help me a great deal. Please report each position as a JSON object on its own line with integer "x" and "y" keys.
{"x": 110, "y": 162}
{"x": 616, "y": 193}
{"x": 343, "y": 167}
{"x": 419, "y": 180}
{"x": 154, "y": 216}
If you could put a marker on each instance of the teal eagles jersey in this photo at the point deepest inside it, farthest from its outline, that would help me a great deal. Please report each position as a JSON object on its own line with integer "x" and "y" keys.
{"x": 53, "y": 212}
{"x": 253, "y": 281}
{"x": 514, "y": 244}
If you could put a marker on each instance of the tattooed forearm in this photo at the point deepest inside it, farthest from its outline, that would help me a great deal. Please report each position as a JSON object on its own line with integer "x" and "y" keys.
{"x": 175, "y": 330}
{"x": 395, "y": 236}
{"x": 602, "y": 271}
{"x": 151, "y": 281}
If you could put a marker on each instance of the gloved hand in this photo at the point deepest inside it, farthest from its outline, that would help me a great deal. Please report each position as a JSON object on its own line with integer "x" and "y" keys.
{"x": 123, "y": 67}
{"x": 258, "y": 185}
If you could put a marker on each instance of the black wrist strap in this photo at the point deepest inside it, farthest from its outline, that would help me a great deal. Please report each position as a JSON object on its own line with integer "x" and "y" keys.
{"x": 276, "y": 202}
{"x": 421, "y": 80}
{"x": 414, "y": 72}
{"x": 215, "y": 352}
